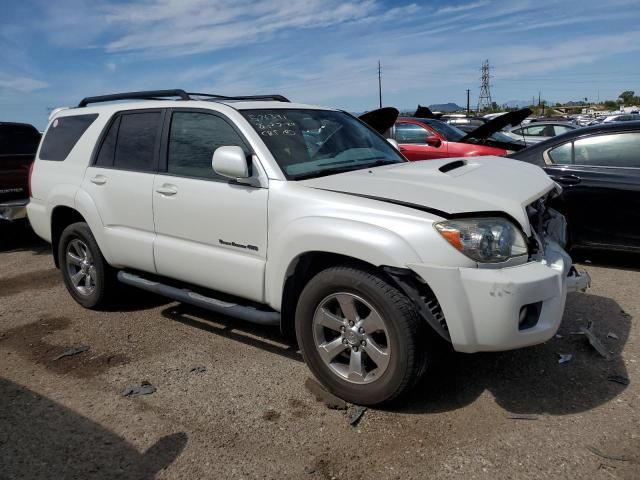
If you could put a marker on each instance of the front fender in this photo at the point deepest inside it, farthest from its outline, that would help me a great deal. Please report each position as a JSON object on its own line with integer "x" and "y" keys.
{"x": 368, "y": 243}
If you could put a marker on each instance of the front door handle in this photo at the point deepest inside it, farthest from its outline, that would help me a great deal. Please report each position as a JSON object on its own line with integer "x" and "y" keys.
{"x": 567, "y": 179}
{"x": 167, "y": 190}
{"x": 99, "y": 180}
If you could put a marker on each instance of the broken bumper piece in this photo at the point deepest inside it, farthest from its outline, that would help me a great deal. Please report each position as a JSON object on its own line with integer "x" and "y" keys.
{"x": 502, "y": 309}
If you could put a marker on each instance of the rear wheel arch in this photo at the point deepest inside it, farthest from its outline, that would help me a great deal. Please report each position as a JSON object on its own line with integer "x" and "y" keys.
{"x": 61, "y": 218}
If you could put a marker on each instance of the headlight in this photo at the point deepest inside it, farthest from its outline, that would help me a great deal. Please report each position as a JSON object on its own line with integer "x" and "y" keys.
{"x": 486, "y": 240}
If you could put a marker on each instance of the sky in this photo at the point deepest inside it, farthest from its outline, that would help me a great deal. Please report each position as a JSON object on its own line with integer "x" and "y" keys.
{"x": 53, "y": 53}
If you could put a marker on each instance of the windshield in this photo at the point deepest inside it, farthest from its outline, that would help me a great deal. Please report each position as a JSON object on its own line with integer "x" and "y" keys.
{"x": 449, "y": 132}
{"x": 313, "y": 143}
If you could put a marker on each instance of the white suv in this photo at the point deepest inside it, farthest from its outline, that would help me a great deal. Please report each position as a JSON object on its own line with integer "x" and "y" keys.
{"x": 306, "y": 218}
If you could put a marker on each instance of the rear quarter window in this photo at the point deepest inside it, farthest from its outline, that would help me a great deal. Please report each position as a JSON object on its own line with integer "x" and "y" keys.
{"x": 63, "y": 134}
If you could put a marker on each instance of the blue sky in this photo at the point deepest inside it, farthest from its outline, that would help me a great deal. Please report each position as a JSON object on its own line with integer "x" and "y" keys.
{"x": 53, "y": 53}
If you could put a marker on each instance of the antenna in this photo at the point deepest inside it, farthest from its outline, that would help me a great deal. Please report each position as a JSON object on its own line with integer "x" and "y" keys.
{"x": 379, "y": 85}
{"x": 484, "y": 100}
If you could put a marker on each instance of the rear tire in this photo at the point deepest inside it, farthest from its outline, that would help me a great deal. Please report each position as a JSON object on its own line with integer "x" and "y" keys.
{"x": 359, "y": 335}
{"x": 87, "y": 276}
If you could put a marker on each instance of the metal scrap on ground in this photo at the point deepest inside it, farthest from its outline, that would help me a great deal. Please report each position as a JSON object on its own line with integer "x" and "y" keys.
{"x": 357, "y": 416}
{"x": 564, "y": 357}
{"x": 594, "y": 341}
{"x": 143, "y": 388}
{"x": 72, "y": 351}
{"x": 618, "y": 379}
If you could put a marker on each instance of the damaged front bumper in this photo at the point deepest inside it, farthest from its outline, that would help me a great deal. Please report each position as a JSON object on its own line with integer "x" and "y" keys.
{"x": 507, "y": 308}
{"x": 14, "y": 210}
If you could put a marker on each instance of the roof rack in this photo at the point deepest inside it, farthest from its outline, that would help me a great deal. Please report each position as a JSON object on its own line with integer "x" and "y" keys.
{"x": 144, "y": 95}
{"x": 163, "y": 94}
{"x": 276, "y": 97}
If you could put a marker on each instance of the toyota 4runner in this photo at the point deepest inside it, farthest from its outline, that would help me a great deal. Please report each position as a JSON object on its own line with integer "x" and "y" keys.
{"x": 305, "y": 218}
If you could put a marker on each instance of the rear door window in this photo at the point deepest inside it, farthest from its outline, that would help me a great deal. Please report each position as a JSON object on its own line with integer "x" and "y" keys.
{"x": 537, "y": 131}
{"x": 137, "y": 141}
{"x": 63, "y": 134}
{"x": 411, "y": 133}
{"x": 560, "y": 129}
{"x": 615, "y": 150}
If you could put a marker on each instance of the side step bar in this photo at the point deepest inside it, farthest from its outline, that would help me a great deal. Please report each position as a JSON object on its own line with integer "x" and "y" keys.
{"x": 248, "y": 314}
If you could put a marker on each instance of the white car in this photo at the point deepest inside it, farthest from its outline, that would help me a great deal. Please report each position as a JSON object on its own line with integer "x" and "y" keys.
{"x": 305, "y": 218}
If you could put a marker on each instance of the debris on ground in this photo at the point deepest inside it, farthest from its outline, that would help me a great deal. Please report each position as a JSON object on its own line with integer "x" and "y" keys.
{"x": 198, "y": 369}
{"x": 142, "y": 388}
{"x": 612, "y": 335}
{"x": 624, "y": 314}
{"x": 69, "y": 352}
{"x": 564, "y": 357}
{"x": 558, "y": 335}
{"x": 356, "y": 416}
{"x": 594, "y": 341}
{"x": 271, "y": 415}
{"x": 618, "y": 379}
{"x": 309, "y": 470}
{"x": 522, "y": 416}
{"x": 322, "y": 395}
{"x": 620, "y": 458}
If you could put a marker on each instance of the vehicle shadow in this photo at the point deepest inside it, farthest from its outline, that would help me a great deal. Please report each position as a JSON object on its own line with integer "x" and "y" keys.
{"x": 20, "y": 237}
{"x": 41, "y": 439}
{"x": 531, "y": 380}
{"x": 524, "y": 381}
{"x": 264, "y": 337}
{"x": 607, "y": 259}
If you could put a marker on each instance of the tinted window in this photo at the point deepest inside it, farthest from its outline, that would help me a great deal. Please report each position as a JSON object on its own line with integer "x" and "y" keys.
{"x": 537, "y": 131}
{"x": 18, "y": 139}
{"x": 193, "y": 138}
{"x": 562, "y": 154}
{"x": 411, "y": 133}
{"x": 63, "y": 134}
{"x": 449, "y": 132}
{"x": 108, "y": 148}
{"x": 560, "y": 129}
{"x": 136, "y": 143}
{"x": 617, "y": 150}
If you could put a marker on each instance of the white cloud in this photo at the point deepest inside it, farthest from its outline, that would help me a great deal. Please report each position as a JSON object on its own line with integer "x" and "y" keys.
{"x": 20, "y": 84}
{"x": 460, "y": 8}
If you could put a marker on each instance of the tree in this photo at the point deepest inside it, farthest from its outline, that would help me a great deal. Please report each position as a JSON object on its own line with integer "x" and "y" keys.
{"x": 627, "y": 96}
{"x": 610, "y": 105}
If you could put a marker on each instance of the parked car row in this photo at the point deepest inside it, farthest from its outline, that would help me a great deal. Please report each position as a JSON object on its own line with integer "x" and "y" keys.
{"x": 310, "y": 220}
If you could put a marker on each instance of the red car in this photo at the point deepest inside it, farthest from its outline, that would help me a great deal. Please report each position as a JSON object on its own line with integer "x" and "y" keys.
{"x": 429, "y": 139}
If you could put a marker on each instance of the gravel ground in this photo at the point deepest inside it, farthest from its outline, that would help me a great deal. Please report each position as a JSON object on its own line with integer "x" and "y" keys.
{"x": 231, "y": 402}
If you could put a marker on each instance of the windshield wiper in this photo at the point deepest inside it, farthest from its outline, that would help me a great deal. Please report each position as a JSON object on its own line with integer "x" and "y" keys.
{"x": 332, "y": 171}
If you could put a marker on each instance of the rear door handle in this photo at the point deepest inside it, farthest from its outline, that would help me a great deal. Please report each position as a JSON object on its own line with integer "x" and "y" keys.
{"x": 167, "y": 190}
{"x": 99, "y": 180}
{"x": 567, "y": 179}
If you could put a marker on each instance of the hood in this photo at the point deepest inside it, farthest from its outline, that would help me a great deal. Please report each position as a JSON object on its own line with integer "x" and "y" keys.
{"x": 448, "y": 188}
{"x": 425, "y": 112}
{"x": 380, "y": 120}
{"x": 497, "y": 124}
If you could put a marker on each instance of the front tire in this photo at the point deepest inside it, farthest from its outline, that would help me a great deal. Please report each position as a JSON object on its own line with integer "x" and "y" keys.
{"x": 86, "y": 274}
{"x": 359, "y": 335}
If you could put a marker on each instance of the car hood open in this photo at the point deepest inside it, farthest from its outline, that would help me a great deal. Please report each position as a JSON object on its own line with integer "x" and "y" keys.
{"x": 381, "y": 119}
{"x": 485, "y": 131}
{"x": 448, "y": 188}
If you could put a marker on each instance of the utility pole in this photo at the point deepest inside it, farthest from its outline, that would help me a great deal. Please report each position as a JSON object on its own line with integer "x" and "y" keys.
{"x": 468, "y": 110}
{"x": 484, "y": 100}
{"x": 379, "y": 85}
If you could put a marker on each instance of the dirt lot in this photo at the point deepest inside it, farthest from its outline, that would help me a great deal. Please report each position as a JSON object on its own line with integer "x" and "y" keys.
{"x": 247, "y": 414}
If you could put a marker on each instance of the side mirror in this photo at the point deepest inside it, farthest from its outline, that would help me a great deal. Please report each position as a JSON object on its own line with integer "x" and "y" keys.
{"x": 230, "y": 161}
{"x": 393, "y": 143}
{"x": 433, "y": 141}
